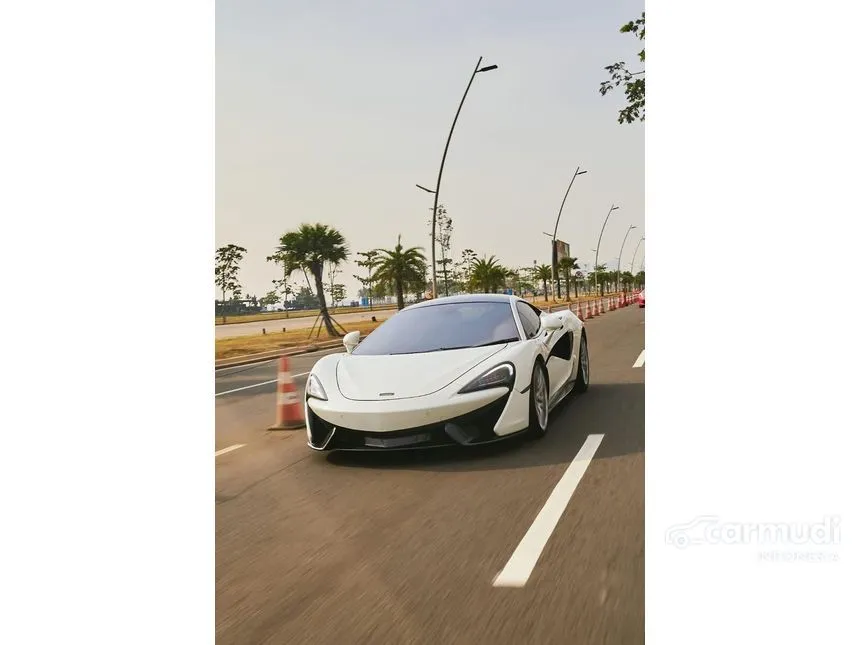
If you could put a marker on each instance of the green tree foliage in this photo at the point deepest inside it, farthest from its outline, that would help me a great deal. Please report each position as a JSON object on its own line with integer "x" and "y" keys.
{"x": 367, "y": 281}
{"x": 464, "y": 267}
{"x": 487, "y": 275}
{"x": 311, "y": 247}
{"x": 543, "y": 274}
{"x": 400, "y": 268}
{"x": 271, "y": 298}
{"x": 305, "y": 299}
{"x": 633, "y": 82}
{"x": 227, "y": 259}
{"x": 567, "y": 266}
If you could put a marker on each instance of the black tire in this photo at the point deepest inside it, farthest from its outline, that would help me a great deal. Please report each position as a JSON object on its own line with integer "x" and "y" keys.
{"x": 535, "y": 431}
{"x": 583, "y": 377}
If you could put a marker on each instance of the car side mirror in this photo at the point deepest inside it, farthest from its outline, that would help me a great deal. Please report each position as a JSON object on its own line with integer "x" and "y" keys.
{"x": 350, "y": 341}
{"x": 551, "y": 323}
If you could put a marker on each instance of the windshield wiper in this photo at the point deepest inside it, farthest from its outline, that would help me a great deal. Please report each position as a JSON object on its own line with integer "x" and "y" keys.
{"x": 492, "y": 342}
{"x": 448, "y": 349}
{"x": 498, "y": 342}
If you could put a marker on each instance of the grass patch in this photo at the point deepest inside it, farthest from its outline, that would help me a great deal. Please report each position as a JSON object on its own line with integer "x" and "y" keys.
{"x": 294, "y": 338}
{"x": 307, "y": 313}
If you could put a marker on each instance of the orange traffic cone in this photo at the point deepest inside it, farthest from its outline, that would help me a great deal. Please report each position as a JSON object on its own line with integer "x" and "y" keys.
{"x": 289, "y": 413}
{"x": 579, "y": 311}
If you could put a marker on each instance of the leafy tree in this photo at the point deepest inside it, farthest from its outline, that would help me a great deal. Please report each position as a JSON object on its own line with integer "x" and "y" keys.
{"x": 627, "y": 280}
{"x": 444, "y": 229}
{"x": 333, "y": 272}
{"x": 271, "y": 298}
{"x": 400, "y": 269}
{"x": 421, "y": 285}
{"x": 305, "y": 299}
{"x": 601, "y": 277}
{"x": 639, "y": 280}
{"x": 338, "y": 293}
{"x": 310, "y": 247}
{"x": 567, "y": 266}
{"x": 367, "y": 263}
{"x": 464, "y": 267}
{"x": 227, "y": 259}
{"x": 633, "y": 82}
{"x": 524, "y": 278}
{"x": 283, "y": 288}
{"x": 282, "y": 285}
{"x": 543, "y": 273}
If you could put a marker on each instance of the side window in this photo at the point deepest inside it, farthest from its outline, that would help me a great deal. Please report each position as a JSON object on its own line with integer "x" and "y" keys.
{"x": 530, "y": 319}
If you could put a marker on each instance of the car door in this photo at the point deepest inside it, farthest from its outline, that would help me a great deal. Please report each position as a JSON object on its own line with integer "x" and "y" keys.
{"x": 557, "y": 368}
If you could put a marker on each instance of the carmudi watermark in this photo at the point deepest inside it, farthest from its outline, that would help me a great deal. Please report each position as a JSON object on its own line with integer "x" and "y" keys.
{"x": 712, "y": 530}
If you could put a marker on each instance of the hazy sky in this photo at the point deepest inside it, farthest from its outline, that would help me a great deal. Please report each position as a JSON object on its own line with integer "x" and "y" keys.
{"x": 332, "y": 111}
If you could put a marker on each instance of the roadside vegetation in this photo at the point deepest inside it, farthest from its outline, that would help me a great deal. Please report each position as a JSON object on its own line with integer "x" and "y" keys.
{"x": 312, "y": 256}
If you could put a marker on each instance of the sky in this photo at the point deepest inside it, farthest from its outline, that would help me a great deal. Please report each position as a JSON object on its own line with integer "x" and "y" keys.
{"x": 331, "y": 112}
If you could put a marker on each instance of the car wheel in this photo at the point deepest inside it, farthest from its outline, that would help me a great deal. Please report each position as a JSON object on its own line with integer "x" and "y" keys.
{"x": 538, "y": 403}
{"x": 583, "y": 371}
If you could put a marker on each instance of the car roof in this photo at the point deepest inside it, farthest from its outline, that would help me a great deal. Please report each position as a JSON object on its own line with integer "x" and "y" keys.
{"x": 467, "y": 297}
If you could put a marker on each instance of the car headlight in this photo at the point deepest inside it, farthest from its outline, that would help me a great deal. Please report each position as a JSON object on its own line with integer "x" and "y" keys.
{"x": 499, "y": 376}
{"x": 314, "y": 389}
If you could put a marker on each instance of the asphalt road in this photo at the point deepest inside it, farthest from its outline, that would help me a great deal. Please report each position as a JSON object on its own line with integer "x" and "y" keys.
{"x": 405, "y": 548}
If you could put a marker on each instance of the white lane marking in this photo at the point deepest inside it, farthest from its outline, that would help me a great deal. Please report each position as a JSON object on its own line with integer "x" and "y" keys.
{"x": 248, "y": 387}
{"x": 641, "y": 360}
{"x": 224, "y": 451}
{"x": 518, "y": 569}
{"x": 330, "y": 350}
{"x": 246, "y": 368}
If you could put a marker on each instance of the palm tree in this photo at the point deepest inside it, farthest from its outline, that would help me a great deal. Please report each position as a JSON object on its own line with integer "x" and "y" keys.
{"x": 567, "y": 266}
{"x": 488, "y": 275}
{"x": 309, "y": 248}
{"x": 601, "y": 276}
{"x": 543, "y": 273}
{"x": 400, "y": 268}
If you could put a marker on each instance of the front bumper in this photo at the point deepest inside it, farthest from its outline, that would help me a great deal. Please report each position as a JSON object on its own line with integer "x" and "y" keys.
{"x": 472, "y": 428}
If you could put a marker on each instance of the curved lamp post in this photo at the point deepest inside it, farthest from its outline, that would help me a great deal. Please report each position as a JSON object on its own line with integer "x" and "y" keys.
{"x": 633, "y": 259}
{"x": 556, "y": 279}
{"x": 478, "y": 70}
{"x": 620, "y": 253}
{"x": 597, "y": 250}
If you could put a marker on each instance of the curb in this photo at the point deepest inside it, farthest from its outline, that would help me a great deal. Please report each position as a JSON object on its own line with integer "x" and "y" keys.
{"x": 263, "y": 357}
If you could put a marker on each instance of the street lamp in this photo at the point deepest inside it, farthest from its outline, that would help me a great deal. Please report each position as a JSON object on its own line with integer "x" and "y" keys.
{"x": 597, "y": 250}
{"x": 478, "y": 70}
{"x": 556, "y": 279}
{"x": 642, "y": 239}
{"x": 620, "y": 253}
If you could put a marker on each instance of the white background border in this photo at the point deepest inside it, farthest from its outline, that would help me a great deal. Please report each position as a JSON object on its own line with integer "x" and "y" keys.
{"x": 106, "y": 155}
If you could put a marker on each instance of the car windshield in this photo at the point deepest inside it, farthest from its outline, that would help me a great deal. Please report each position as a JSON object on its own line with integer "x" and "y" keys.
{"x": 441, "y": 327}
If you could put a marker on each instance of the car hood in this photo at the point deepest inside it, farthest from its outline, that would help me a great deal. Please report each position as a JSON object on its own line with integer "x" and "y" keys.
{"x": 403, "y": 376}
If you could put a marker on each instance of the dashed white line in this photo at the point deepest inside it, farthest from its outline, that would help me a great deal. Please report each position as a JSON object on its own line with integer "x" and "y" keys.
{"x": 224, "y": 451}
{"x": 248, "y": 387}
{"x": 518, "y": 569}
{"x": 641, "y": 360}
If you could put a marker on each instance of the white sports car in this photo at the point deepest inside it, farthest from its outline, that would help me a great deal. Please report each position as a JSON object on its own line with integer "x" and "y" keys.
{"x": 461, "y": 370}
